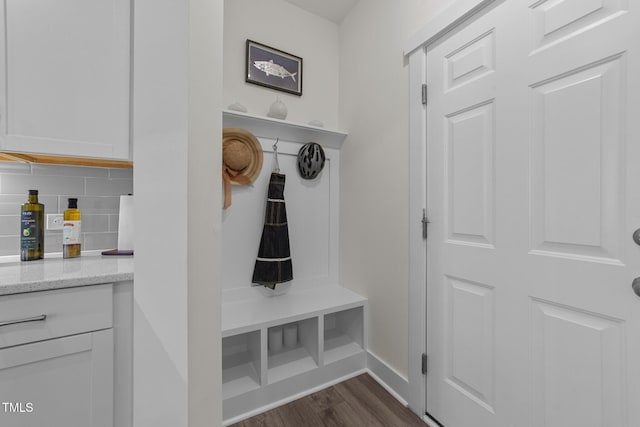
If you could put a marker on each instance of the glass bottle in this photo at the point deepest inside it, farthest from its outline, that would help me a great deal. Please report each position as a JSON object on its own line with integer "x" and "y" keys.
{"x": 71, "y": 230}
{"x": 32, "y": 228}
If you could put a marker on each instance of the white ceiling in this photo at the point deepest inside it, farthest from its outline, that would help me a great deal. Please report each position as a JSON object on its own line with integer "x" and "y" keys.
{"x": 333, "y": 10}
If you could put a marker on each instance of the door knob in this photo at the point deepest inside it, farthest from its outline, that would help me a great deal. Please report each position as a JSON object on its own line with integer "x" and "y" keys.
{"x": 636, "y": 286}
{"x": 636, "y": 236}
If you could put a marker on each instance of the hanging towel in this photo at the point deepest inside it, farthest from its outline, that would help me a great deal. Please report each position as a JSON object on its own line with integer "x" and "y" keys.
{"x": 273, "y": 264}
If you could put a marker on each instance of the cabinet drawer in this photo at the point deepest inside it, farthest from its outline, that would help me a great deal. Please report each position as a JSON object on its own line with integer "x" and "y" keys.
{"x": 51, "y": 314}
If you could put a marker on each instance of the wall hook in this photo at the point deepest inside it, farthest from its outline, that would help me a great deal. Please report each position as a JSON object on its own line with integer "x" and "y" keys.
{"x": 275, "y": 151}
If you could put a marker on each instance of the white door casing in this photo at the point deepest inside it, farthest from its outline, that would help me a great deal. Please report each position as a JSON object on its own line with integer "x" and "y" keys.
{"x": 533, "y": 197}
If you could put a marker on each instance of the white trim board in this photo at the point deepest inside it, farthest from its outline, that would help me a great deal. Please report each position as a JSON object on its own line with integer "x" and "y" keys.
{"x": 445, "y": 22}
{"x": 267, "y": 127}
{"x": 388, "y": 378}
{"x": 429, "y": 421}
{"x": 417, "y": 245}
{"x": 440, "y": 26}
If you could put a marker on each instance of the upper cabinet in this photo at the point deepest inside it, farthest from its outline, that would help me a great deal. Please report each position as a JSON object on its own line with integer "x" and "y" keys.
{"x": 65, "y": 77}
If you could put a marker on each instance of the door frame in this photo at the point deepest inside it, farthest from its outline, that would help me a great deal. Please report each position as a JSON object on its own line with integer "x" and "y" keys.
{"x": 456, "y": 15}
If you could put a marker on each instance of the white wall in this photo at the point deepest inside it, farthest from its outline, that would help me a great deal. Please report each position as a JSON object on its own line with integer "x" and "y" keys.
{"x": 177, "y": 129}
{"x": 205, "y": 212}
{"x": 356, "y": 79}
{"x": 283, "y": 26}
{"x": 160, "y": 190}
{"x": 374, "y": 107}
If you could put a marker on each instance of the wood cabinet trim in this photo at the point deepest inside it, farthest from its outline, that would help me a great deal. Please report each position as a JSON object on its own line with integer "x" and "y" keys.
{"x": 64, "y": 160}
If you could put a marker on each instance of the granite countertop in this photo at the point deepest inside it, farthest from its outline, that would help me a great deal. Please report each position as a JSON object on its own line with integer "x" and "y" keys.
{"x": 57, "y": 273}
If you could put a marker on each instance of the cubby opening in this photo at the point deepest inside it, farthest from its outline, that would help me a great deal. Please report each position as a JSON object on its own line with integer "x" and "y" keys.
{"x": 285, "y": 361}
{"x": 343, "y": 334}
{"x": 240, "y": 364}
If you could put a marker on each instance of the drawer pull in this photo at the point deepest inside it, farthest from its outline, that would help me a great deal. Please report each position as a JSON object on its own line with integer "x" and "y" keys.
{"x": 25, "y": 320}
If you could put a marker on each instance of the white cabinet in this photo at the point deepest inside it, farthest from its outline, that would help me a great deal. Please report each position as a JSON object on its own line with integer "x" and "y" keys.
{"x": 65, "y": 77}
{"x": 60, "y": 382}
{"x": 57, "y": 358}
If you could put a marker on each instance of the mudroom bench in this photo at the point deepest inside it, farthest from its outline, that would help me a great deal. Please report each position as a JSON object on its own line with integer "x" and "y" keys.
{"x": 278, "y": 348}
{"x": 310, "y": 332}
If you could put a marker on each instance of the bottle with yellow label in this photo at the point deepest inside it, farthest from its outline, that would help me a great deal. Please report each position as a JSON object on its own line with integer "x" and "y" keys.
{"x": 32, "y": 228}
{"x": 71, "y": 229}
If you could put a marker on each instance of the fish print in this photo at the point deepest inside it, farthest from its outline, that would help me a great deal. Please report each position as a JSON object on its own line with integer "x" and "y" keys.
{"x": 272, "y": 69}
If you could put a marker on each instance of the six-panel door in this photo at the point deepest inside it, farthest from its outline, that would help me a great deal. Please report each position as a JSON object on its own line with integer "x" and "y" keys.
{"x": 533, "y": 195}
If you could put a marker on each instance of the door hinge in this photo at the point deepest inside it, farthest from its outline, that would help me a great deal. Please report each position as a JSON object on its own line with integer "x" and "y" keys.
{"x": 424, "y": 364}
{"x": 425, "y": 223}
{"x": 424, "y": 94}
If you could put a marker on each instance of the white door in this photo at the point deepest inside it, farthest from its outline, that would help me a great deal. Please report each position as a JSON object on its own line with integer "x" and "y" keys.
{"x": 533, "y": 192}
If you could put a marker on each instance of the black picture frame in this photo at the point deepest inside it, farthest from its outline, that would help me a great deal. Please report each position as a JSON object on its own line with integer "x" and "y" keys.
{"x": 273, "y": 68}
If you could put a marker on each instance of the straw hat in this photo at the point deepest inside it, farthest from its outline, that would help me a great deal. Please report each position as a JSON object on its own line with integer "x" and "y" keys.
{"x": 241, "y": 157}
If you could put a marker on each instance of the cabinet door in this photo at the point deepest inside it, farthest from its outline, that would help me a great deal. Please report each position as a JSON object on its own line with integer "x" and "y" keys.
{"x": 60, "y": 382}
{"x": 64, "y": 77}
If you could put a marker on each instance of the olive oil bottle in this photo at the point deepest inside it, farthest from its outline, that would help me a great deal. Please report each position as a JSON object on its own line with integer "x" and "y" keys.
{"x": 71, "y": 230}
{"x": 32, "y": 228}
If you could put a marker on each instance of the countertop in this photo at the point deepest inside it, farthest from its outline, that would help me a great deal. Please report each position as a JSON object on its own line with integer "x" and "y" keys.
{"x": 57, "y": 273}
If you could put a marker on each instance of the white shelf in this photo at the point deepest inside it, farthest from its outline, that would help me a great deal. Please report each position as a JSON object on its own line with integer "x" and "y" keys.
{"x": 256, "y": 311}
{"x": 288, "y": 363}
{"x": 268, "y": 127}
{"x": 343, "y": 334}
{"x": 239, "y": 379}
{"x": 338, "y": 346}
{"x": 240, "y": 364}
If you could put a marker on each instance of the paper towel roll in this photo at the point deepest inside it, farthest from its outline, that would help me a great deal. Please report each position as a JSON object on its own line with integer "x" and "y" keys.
{"x": 125, "y": 224}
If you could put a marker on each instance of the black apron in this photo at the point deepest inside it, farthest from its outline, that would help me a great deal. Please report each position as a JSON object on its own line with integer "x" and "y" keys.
{"x": 273, "y": 264}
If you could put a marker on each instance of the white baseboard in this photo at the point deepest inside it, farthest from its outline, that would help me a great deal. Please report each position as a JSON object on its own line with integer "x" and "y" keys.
{"x": 430, "y": 422}
{"x": 387, "y": 377}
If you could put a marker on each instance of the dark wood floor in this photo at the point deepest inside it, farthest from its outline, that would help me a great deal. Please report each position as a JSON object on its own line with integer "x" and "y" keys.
{"x": 360, "y": 401}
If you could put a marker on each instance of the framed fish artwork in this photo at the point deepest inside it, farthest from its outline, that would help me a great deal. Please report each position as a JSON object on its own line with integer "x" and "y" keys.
{"x": 273, "y": 68}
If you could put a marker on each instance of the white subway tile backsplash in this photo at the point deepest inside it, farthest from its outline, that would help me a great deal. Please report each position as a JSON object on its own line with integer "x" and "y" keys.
{"x": 7, "y": 208}
{"x": 61, "y": 170}
{"x": 15, "y": 167}
{"x": 98, "y": 191}
{"x": 52, "y": 242}
{"x": 45, "y": 184}
{"x": 121, "y": 173}
{"x": 99, "y": 241}
{"x": 95, "y": 223}
{"x": 108, "y": 187}
{"x": 113, "y": 222}
{"x": 9, "y": 224}
{"x": 10, "y": 203}
{"x": 10, "y": 245}
{"x": 99, "y": 205}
